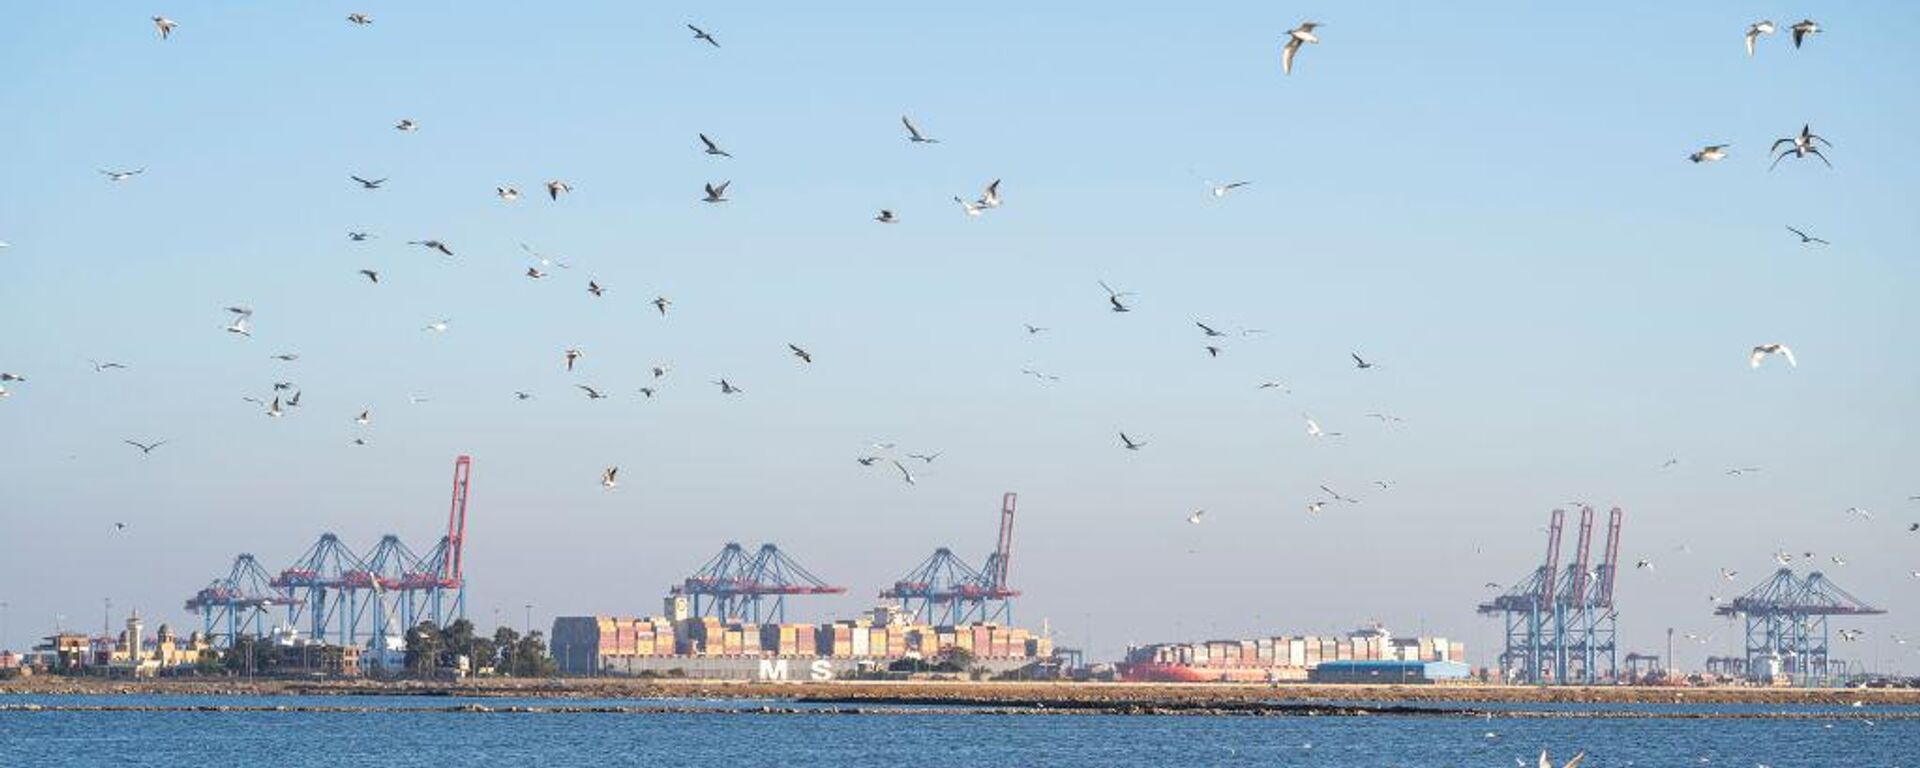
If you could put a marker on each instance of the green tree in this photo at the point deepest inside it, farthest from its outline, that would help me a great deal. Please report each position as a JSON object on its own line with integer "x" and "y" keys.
{"x": 530, "y": 656}
{"x": 424, "y": 648}
{"x": 955, "y": 659}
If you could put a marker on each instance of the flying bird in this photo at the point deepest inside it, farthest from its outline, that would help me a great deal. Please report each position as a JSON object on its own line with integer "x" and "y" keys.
{"x": 1033, "y": 329}
{"x": 406, "y": 125}
{"x": 372, "y": 276}
{"x": 1113, "y": 298}
{"x": 165, "y": 26}
{"x": 805, "y": 356}
{"x": 1316, "y": 507}
{"x": 925, "y": 457}
{"x": 1806, "y": 238}
{"x": 886, "y": 217}
{"x": 661, "y": 370}
{"x": 1359, "y": 362}
{"x": 647, "y": 392}
{"x": 1275, "y": 385}
{"x": 1039, "y": 375}
{"x": 1802, "y": 29}
{"x": 609, "y": 479}
{"x": 1645, "y": 565}
{"x": 1213, "y": 351}
{"x": 595, "y": 288}
{"x": 97, "y": 367}
{"x": 1195, "y": 517}
{"x": 1129, "y": 443}
{"x": 369, "y": 183}
{"x": 972, "y": 209}
{"x": 433, "y": 245}
{"x": 242, "y": 321}
{"x": 913, "y": 133}
{"x": 555, "y": 187}
{"x": 867, "y": 461}
{"x": 716, "y": 194}
{"x": 1800, "y": 146}
{"x": 360, "y": 237}
{"x": 1758, "y": 28}
{"x": 535, "y": 273}
{"x": 1860, "y": 512}
{"x": 273, "y": 410}
{"x": 285, "y": 357}
{"x": 712, "y": 148}
{"x": 1710, "y": 153}
{"x": 1574, "y": 763}
{"x": 365, "y": 418}
{"x": 1337, "y": 497}
{"x": 661, "y": 303}
{"x": 437, "y": 326}
{"x": 1313, "y": 428}
{"x": 507, "y": 193}
{"x": 121, "y": 175}
{"x": 572, "y": 354}
{"x": 727, "y": 388}
{"x": 1221, "y": 190}
{"x": 592, "y": 394}
{"x": 1761, "y": 352}
{"x": 1729, "y": 575}
{"x": 145, "y": 448}
{"x": 1296, "y": 37}
{"x": 990, "y": 197}
{"x": 701, "y": 34}
{"x": 904, "y": 474}
{"x": 360, "y": 19}
{"x": 1742, "y": 470}
{"x": 1206, "y": 329}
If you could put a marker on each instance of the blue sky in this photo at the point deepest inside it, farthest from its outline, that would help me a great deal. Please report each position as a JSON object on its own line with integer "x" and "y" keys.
{"x": 1501, "y": 215}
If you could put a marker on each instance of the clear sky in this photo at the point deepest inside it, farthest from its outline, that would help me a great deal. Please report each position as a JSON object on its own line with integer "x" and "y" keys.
{"x": 1491, "y": 200}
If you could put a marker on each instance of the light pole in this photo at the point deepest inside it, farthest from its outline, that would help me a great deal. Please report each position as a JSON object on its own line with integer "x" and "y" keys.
{"x": 529, "y": 627}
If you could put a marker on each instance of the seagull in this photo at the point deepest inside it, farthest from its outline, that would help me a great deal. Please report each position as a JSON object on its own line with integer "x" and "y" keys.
{"x": 1669, "y": 463}
{"x": 1800, "y": 146}
{"x": 608, "y": 478}
{"x": 1802, "y": 29}
{"x": 1387, "y": 418}
{"x": 1756, "y": 29}
{"x": 119, "y": 526}
{"x": 990, "y": 197}
{"x": 712, "y": 148}
{"x": 805, "y": 356}
{"x": 555, "y": 187}
{"x": 572, "y": 354}
{"x": 121, "y": 175}
{"x": 1761, "y": 352}
{"x": 364, "y": 418}
{"x": 595, "y": 288}
{"x": 360, "y": 237}
{"x": 1860, "y": 512}
{"x": 1742, "y": 470}
{"x": 1806, "y": 238}
{"x": 1783, "y": 557}
{"x": 647, "y": 392}
{"x": 97, "y": 367}
{"x": 661, "y": 370}
{"x": 285, "y": 357}
{"x": 1213, "y": 351}
{"x": 360, "y": 19}
{"x": 242, "y": 321}
{"x": 904, "y": 474}
{"x": 406, "y": 125}
{"x": 1221, "y": 190}
{"x": 1359, "y": 362}
{"x": 727, "y": 388}
{"x": 1384, "y": 485}
{"x": 1851, "y": 635}
{"x": 716, "y": 194}
{"x": 522, "y": 396}
{"x": 535, "y": 273}
{"x": 886, "y": 217}
{"x": 1491, "y": 585}
{"x": 972, "y": 209}
{"x": 926, "y": 457}
{"x": 1113, "y": 298}
{"x": 164, "y": 25}
{"x": 1728, "y": 575}
{"x": 1574, "y": 763}
{"x": 1295, "y": 37}
{"x": 866, "y": 461}
{"x": 1033, "y": 329}
{"x": 1337, "y": 497}
{"x": 273, "y": 410}
{"x": 1208, "y": 330}
{"x": 1313, "y": 428}
{"x": 1316, "y": 507}
{"x": 1039, "y": 375}
{"x": 913, "y": 133}
{"x": 701, "y": 34}
{"x": 542, "y": 259}
{"x": 1195, "y": 517}
{"x": 145, "y": 448}
{"x": 359, "y": 441}
{"x": 592, "y": 394}
{"x": 1129, "y": 443}
{"x": 507, "y": 193}
{"x": 4, "y": 392}
{"x": 438, "y": 326}
{"x": 433, "y": 245}
{"x": 372, "y": 276}
{"x": 1710, "y": 153}
{"x": 1275, "y": 385}
{"x": 661, "y": 303}
{"x": 369, "y": 183}
{"x": 1838, "y": 560}
{"x": 294, "y": 402}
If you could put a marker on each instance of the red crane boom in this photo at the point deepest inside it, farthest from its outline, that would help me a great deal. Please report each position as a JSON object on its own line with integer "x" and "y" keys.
{"x": 457, "y": 518}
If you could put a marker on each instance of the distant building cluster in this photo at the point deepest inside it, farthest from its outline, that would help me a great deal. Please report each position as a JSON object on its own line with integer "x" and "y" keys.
{"x": 1294, "y": 658}
{"x": 130, "y": 653}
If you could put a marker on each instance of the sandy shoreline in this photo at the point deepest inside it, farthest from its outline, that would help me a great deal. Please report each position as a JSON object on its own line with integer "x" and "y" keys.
{"x": 1104, "y": 696}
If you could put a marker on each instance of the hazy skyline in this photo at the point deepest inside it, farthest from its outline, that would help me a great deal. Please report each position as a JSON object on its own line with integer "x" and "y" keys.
{"x": 1498, "y": 212}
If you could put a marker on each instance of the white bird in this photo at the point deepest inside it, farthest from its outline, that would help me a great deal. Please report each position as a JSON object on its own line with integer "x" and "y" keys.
{"x": 535, "y": 273}
{"x": 1574, "y": 763}
{"x": 701, "y": 34}
{"x": 242, "y": 321}
{"x": 4, "y": 392}
{"x": 990, "y": 197}
{"x": 1761, "y": 352}
{"x": 1295, "y": 37}
{"x": 1314, "y": 507}
{"x": 365, "y": 417}
{"x": 1802, "y": 29}
{"x": 1728, "y": 575}
{"x": 542, "y": 259}
{"x": 1337, "y": 497}
{"x": 716, "y": 194}
{"x": 360, "y": 19}
{"x": 1755, "y": 30}
{"x": 437, "y": 326}
{"x": 1851, "y": 635}
{"x": 1360, "y": 362}
{"x": 507, "y": 193}
{"x": 972, "y": 209}
{"x": 1710, "y": 153}
{"x": 1039, "y": 375}
{"x": 609, "y": 479}
{"x": 904, "y": 474}
{"x": 1195, "y": 517}
{"x": 433, "y": 245}
{"x": 1114, "y": 298}
{"x": 1838, "y": 560}
{"x": 1646, "y": 565}
{"x": 555, "y": 187}
{"x": 1800, "y": 146}
{"x": 1860, "y": 512}
{"x": 1782, "y": 557}
{"x": 572, "y": 354}
{"x": 406, "y": 125}
{"x": 165, "y": 26}
{"x": 712, "y": 148}
{"x": 1221, "y": 190}
{"x": 1130, "y": 443}
{"x": 1313, "y": 428}
{"x": 913, "y": 133}
{"x": 273, "y": 410}
{"x": 417, "y": 399}
{"x": 1737, "y": 471}
{"x": 595, "y": 288}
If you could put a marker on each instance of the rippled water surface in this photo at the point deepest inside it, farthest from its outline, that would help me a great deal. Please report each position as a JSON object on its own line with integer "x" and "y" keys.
{"x": 401, "y": 734}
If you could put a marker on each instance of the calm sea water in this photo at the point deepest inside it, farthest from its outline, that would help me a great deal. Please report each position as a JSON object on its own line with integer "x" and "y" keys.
{"x": 403, "y": 735}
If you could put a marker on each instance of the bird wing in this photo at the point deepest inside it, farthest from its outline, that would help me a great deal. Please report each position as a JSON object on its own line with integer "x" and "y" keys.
{"x": 1816, "y": 153}
{"x": 1803, "y": 235}
{"x": 1203, "y": 327}
{"x": 1788, "y": 353}
{"x": 911, "y": 131}
{"x": 1752, "y": 33}
{"x": 1759, "y": 354}
{"x": 1777, "y": 143}
{"x": 708, "y": 142}
{"x": 1356, "y": 358}
{"x": 1286, "y": 55}
{"x": 1575, "y": 762}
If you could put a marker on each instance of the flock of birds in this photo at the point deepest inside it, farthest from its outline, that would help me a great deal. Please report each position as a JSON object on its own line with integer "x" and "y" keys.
{"x": 286, "y": 396}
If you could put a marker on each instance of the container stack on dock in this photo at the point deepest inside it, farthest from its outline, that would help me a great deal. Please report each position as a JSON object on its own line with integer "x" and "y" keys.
{"x": 1277, "y": 658}
{"x": 602, "y": 644}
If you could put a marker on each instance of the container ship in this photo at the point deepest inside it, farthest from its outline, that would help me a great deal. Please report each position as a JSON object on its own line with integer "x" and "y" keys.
{"x": 1277, "y": 659}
